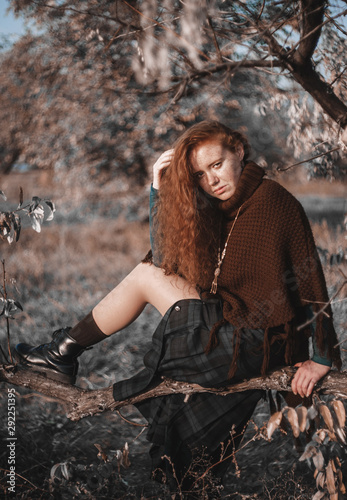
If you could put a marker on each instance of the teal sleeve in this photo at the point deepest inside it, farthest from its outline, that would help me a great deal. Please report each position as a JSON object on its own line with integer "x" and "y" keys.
{"x": 153, "y": 198}
{"x": 318, "y": 357}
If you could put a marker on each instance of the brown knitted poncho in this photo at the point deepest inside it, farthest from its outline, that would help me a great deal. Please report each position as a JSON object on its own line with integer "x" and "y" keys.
{"x": 271, "y": 269}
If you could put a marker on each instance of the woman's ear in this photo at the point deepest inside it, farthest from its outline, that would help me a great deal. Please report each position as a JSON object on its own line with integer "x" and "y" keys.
{"x": 240, "y": 151}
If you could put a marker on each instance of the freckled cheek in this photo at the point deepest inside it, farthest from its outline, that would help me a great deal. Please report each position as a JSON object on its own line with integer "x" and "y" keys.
{"x": 206, "y": 187}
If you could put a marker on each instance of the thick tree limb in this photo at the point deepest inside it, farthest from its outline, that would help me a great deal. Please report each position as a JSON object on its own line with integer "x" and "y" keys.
{"x": 307, "y": 77}
{"x": 312, "y": 13}
{"x": 79, "y": 403}
{"x": 300, "y": 66}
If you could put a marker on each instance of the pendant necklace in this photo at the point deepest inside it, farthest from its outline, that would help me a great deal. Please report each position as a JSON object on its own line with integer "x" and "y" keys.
{"x": 221, "y": 257}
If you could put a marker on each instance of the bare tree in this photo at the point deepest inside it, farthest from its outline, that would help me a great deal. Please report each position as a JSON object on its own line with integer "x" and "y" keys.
{"x": 142, "y": 70}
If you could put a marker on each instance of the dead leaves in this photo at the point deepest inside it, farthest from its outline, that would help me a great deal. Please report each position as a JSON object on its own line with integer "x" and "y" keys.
{"x": 10, "y": 221}
{"x": 339, "y": 411}
{"x": 323, "y": 449}
{"x": 10, "y": 226}
{"x": 274, "y": 423}
{"x": 302, "y": 417}
{"x": 292, "y": 417}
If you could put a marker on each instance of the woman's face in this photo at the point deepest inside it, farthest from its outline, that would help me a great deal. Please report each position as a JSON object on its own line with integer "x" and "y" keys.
{"x": 216, "y": 169}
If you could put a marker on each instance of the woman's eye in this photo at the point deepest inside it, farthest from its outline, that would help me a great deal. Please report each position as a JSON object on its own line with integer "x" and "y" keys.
{"x": 199, "y": 175}
{"x": 217, "y": 165}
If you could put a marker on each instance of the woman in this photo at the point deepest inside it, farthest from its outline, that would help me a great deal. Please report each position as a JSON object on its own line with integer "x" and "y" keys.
{"x": 236, "y": 272}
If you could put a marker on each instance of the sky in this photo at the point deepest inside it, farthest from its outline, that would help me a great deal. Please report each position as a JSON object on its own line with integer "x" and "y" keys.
{"x": 8, "y": 24}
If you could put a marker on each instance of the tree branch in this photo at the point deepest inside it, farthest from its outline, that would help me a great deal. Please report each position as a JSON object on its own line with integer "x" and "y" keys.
{"x": 312, "y": 13}
{"x": 308, "y": 35}
{"x": 79, "y": 403}
{"x": 284, "y": 169}
{"x": 227, "y": 66}
{"x": 304, "y": 73}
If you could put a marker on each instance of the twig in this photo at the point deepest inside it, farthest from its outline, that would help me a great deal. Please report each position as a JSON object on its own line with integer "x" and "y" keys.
{"x": 339, "y": 343}
{"x": 335, "y": 24}
{"x": 215, "y": 41}
{"x": 279, "y": 169}
{"x": 129, "y": 421}
{"x": 338, "y": 77}
{"x": 261, "y": 11}
{"x": 228, "y": 66}
{"x": 27, "y": 480}
{"x": 314, "y": 317}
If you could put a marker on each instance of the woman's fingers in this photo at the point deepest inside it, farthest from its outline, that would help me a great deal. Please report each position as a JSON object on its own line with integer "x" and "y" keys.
{"x": 306, "y": 377}
{"x": 300, "y": 384}
{"x": 310, "y": 388}
{"x": 163, "y": 161}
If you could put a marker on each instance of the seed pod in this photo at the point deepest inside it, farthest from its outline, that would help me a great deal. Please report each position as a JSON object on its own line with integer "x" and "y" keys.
{"x": 319, "y": 495}
{"x": 302, "y": 417}
{"x": 318, "y": 460}
{"x": 339, "y": 417}
{"x": 293, "y": 420}
{"x": 65, "y": 471}
{"x": 340, "y": 412}
{"x": 312, "y": 412}
{"x": 310, "y": 451}
{"x": 320, "y": 480}
{"x": 342, "y": 487}
{"x": 125, "y": 458}
{"x": 328, "y": 419}
{"x": 341, "y": 436}
{"x": 330, "y": 479}
{"x": 101, "y": 453}
{"x": 319, "y": 436}
{"x": 273, "y": 423}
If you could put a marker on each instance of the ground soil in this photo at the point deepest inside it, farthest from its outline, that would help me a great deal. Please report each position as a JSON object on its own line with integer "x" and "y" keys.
{"x": 58, "y": 459}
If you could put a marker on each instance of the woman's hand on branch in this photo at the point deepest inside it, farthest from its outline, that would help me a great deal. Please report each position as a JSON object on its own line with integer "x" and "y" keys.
{"x": 306, "y": 377}
{"x": 163, "y": 162}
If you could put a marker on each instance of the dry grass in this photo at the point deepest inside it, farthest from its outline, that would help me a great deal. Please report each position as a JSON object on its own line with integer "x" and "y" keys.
{"x": 65, "y": 270}
{"x": 60, "y": 275}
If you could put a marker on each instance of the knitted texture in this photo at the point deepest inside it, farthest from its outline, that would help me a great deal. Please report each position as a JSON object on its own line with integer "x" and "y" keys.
{"x": 271, "y": 269}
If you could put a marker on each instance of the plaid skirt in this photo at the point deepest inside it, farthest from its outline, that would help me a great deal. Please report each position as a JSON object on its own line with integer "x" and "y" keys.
{"x": 179, "y": 429}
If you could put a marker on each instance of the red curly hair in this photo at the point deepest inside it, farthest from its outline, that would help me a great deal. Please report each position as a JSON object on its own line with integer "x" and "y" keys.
{"x": 188, "y": 221}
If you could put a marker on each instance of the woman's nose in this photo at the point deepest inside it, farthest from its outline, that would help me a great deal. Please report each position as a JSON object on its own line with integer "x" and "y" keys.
{"x": 213, "y": 179}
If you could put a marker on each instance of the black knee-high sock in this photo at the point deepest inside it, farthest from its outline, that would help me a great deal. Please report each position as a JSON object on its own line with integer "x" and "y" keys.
{"x": 87, "y": 332}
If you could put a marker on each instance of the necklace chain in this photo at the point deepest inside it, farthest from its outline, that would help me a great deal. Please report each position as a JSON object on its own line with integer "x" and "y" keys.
{"x": 221, "y": 257}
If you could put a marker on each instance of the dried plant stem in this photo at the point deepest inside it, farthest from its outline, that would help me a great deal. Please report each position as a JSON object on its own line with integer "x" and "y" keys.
{"x": 7, "y": 319}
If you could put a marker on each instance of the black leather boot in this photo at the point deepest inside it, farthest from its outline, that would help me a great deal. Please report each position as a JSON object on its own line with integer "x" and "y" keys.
{"x": 57, "y": 360}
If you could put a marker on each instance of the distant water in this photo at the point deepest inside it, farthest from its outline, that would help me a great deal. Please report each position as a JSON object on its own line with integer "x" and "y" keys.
{"x": 333, "y": 210}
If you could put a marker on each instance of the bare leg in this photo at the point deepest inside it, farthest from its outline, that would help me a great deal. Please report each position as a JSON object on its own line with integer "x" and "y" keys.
{"x": 146, "y": 284}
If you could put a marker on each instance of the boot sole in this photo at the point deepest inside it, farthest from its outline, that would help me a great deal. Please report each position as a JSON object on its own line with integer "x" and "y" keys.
{"x": 42, "y": 370}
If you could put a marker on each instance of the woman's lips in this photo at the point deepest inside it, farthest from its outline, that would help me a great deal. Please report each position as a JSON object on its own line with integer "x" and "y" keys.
{"x": 219, "y": 190}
